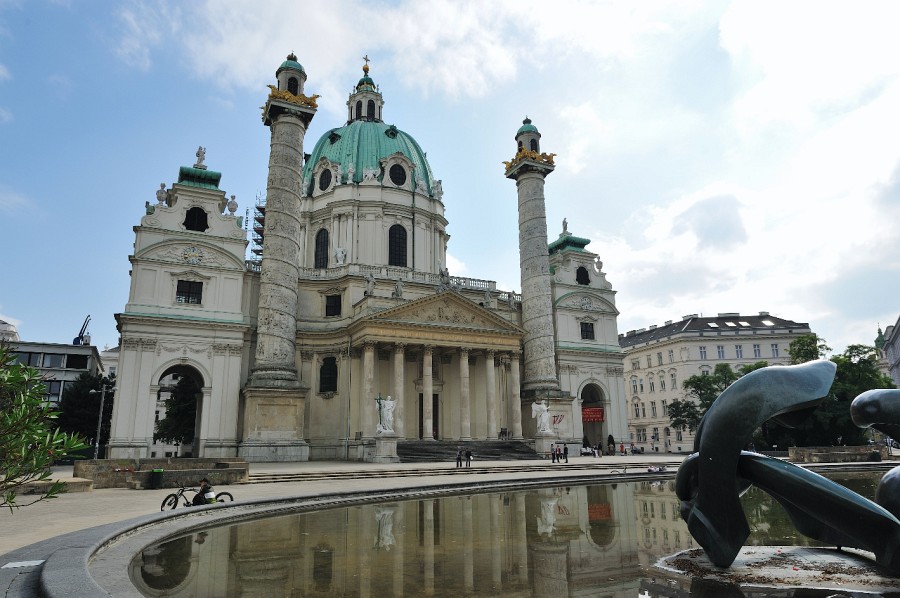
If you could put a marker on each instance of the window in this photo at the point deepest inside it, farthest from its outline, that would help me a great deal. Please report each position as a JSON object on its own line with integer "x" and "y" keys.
{"x": 641, "y": 384}
{"x": 195, "y": 220}
{"x": 652, "y": 384}
{"x": 587, "y": 331}
{"x": 189, "y": 291}
{"x": 637, "y": 410}
{"x": 397, "y": 174}
{"x": 635, "y": 364}
{"x": 581, "y": 276}
{"x": 757, "y": 352}
{"x": 704, "y": 372}
{"x": 702, "y": 352}
{"x": 397, "y": 245}
{"x": 662, "y": 383}
{"x": 53, "y": 360}
{"x": 534, "y": 145}
{"x": 720, "y": 351}
{"x": 642, "y": 434}
{"x": 293, "y": 87}
{"x": 332, "y": 305}
{"x": 25, "y": 358}
{"x": 370, "y": 110}
{"x": 659, "y": 358}
{"x": 644, "y": 412}
{"x": 77, "y": 362}
{"x": 671, "y": 356}
{"x": 655, "y": 434}
{"x": 634, "y": 386}
{"x": 328, "y": 375}
{"x": 358, "y": 109}
{"x": 739, "y": 351}
{"x": 665, "y": 411}
{"x": 321, "y": 254}
{"x": 674, "y": 380}
{"x": 653, "y": 410}
{"x": 649, "y": 362}
{"x": 52, "y": 390}
{"x": 678, "y": 435}
{"x": 774, "y": 349}
{"x": 325, "y": 179}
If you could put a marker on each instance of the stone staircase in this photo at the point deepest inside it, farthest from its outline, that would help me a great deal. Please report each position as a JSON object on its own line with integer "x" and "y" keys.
{"x": 431, "y": 451}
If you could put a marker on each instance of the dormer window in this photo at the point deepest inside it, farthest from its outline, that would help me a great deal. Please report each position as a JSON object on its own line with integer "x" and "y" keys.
{"x": 195, "y": 220}
{"x": 398, "y": 175}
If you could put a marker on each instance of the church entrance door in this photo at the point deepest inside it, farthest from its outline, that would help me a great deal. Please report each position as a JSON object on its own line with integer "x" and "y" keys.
{"x": 593, "y": 414}
{"x": 435, "y": 413}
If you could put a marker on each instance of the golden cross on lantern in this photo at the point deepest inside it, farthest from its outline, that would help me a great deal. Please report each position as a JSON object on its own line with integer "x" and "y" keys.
{"x": 366, "y": 58}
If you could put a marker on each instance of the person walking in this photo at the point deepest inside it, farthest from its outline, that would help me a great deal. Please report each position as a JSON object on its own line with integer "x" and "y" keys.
{"x": 468, "y": 458}
{"x": 553, "y": 453}
{"x": 566, "y": 452}
{"x": 459, "y": 456}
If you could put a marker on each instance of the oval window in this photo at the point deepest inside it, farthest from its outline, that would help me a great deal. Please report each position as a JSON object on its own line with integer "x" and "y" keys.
{"x": 398, "y": 175}
{"x": 324, "y": 180}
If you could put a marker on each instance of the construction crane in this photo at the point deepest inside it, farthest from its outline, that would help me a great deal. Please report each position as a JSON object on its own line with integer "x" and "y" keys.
{"x": 83, "y": 337}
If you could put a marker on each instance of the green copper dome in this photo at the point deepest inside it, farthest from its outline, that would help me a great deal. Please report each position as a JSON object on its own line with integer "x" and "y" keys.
{"x": 363, "y": 144}
{"x": 292, "y": 64}
{"x": 526, "y": 127}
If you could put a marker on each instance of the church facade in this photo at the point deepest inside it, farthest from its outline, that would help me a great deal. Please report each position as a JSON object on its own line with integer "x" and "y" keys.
{"x": 296, "y": 354}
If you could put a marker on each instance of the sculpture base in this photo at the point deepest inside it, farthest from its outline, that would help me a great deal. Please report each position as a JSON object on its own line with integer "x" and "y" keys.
{"x": 385, "y": 450}
{"x": 784, "y": 567}
{"x": 542, "y": 444}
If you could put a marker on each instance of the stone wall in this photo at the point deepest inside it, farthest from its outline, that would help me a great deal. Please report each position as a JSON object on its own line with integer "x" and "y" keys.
{"x": 135, "y": 473}
{"x": 837, "y": 454}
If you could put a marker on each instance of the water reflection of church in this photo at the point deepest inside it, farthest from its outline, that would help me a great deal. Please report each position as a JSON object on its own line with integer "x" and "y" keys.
{"x": 350, "y": 297}
{"x": 565, "y": 541}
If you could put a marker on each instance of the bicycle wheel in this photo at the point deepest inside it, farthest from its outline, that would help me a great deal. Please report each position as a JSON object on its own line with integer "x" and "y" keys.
{"x": 224, "y": 497}
{"x": 170, "y": 502}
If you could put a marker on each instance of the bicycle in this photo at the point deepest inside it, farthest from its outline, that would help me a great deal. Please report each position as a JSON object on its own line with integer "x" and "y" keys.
{"x": 171, "y": 501}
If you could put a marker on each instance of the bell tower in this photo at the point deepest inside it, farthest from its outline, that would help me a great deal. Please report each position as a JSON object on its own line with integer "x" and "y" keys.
{"x": 273, "y": 399}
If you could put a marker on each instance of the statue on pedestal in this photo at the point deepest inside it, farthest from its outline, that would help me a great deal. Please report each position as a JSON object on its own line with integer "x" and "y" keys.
{"x": 385, "y": 415}
{"x": 541, "y": 412}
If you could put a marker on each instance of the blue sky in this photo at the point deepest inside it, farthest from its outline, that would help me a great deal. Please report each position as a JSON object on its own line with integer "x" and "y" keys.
{"x": 721, "y": 156}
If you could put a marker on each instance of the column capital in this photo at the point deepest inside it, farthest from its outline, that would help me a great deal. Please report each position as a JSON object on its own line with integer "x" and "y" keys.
{"x": 399, "y": 347}
{"x": 490, "y": 353}
{"x": 429, "y": 349}
{"x": 464, "y": 350}
{"x": 369, "y": 345}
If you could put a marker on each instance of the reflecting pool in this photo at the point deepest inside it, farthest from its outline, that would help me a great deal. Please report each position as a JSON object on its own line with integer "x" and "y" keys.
{"x": 597, "y": 540}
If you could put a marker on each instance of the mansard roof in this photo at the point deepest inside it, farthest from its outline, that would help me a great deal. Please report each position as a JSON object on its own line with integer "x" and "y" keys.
{"x": 724, "y": 323}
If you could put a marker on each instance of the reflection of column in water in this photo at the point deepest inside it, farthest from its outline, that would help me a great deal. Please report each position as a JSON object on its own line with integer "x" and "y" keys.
{"x": 468, "y": 545}
{"x": 520, "y": 538}
{"x": 496, "y": 532}
{"x": 398, "y": 554}
{"x": 365, "y": 551}
{"x": 429, "y": 546}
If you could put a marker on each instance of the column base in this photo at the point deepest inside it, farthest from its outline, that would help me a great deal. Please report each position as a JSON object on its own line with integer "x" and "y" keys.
{"x": 273, "y": 425}
{"x": 383, "y": 451}
{"x": 542, "y": 444}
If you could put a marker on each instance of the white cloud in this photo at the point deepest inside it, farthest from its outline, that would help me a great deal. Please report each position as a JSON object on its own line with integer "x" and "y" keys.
{"x": 456, "y": 267}
{"x": 11, "y": 200}
{"x": 145, "y": 27}
{"x": 5, "y": 115}
{"x": 4, "y": 73}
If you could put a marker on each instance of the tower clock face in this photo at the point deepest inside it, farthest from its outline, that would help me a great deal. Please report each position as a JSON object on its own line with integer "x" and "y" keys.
{"x": 192, "y": 255}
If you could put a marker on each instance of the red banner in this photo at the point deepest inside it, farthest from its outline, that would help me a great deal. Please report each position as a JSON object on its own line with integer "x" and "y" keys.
{"x": 592, "y": 414}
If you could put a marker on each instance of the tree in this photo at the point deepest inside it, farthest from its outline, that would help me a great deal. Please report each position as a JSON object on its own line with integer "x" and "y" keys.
{"x": 702, "y": 390}
{"x": 29, "y": 442}
{"x": 80, "y": 407}
{"x": 857, "y": 372}
{"x": 181, "y": 413}
{"x": 684, "y": 413}
{"x": 807, "y": 347}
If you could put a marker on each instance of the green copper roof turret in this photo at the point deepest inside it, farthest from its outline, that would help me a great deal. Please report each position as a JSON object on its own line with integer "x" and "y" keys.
{"x": 291, "y": 63}
{"x": 527, "y": 127}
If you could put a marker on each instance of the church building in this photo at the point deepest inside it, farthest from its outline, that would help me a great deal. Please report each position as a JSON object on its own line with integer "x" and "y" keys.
{"x": 348, "y": 330}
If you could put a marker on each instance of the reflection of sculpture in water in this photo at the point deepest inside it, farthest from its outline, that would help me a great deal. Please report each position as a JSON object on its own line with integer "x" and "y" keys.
{"x": 385, "y": 415}
{"x": 385, "y": 537}
{"x": 818, "y": 507}
{"x": 546, "y": 523}
{"x": 541, "y": 412}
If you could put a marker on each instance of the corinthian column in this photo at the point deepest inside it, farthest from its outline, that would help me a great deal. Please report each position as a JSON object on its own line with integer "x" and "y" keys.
{"x": 399, "y": 399}
{"x": 427, "y": 391}
{"x": 491, "y": 384}
{"x": 368, "y": 403}
{"x": 465, "y": 411}
{"x": 515, "y": 398}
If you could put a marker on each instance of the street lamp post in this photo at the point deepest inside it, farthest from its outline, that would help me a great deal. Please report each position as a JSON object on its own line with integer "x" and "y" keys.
{"x": 99, "y": 418}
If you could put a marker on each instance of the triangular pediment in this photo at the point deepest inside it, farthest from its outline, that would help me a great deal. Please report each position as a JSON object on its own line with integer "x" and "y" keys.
{"x": 448, "y": 310}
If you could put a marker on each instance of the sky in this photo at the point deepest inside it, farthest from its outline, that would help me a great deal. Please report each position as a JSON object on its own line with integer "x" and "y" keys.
{"x": 720, "y": 156}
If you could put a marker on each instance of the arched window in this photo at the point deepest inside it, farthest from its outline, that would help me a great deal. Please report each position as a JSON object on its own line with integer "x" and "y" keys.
{"x": 293, "y": 85}
{"x": 358, "y": 109}
{"x": 321, "y": 256}
{"x": 520, "y": 144}
{"x": 328, "y": 375}
{"x": 534, "y": 145}
{"x": 370, "y": 110}
{"x": 195, "y": 220}
{"x": 582, "y": 276}
{"x": 397, "y": 246}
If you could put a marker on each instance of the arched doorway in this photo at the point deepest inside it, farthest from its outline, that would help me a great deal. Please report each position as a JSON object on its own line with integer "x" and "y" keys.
{"x": 593, "y": 414}
{"x": 178, "y": 409}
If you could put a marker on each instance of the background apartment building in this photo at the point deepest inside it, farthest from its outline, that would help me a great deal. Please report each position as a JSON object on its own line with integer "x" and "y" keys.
{"x": 659, "y": 358}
